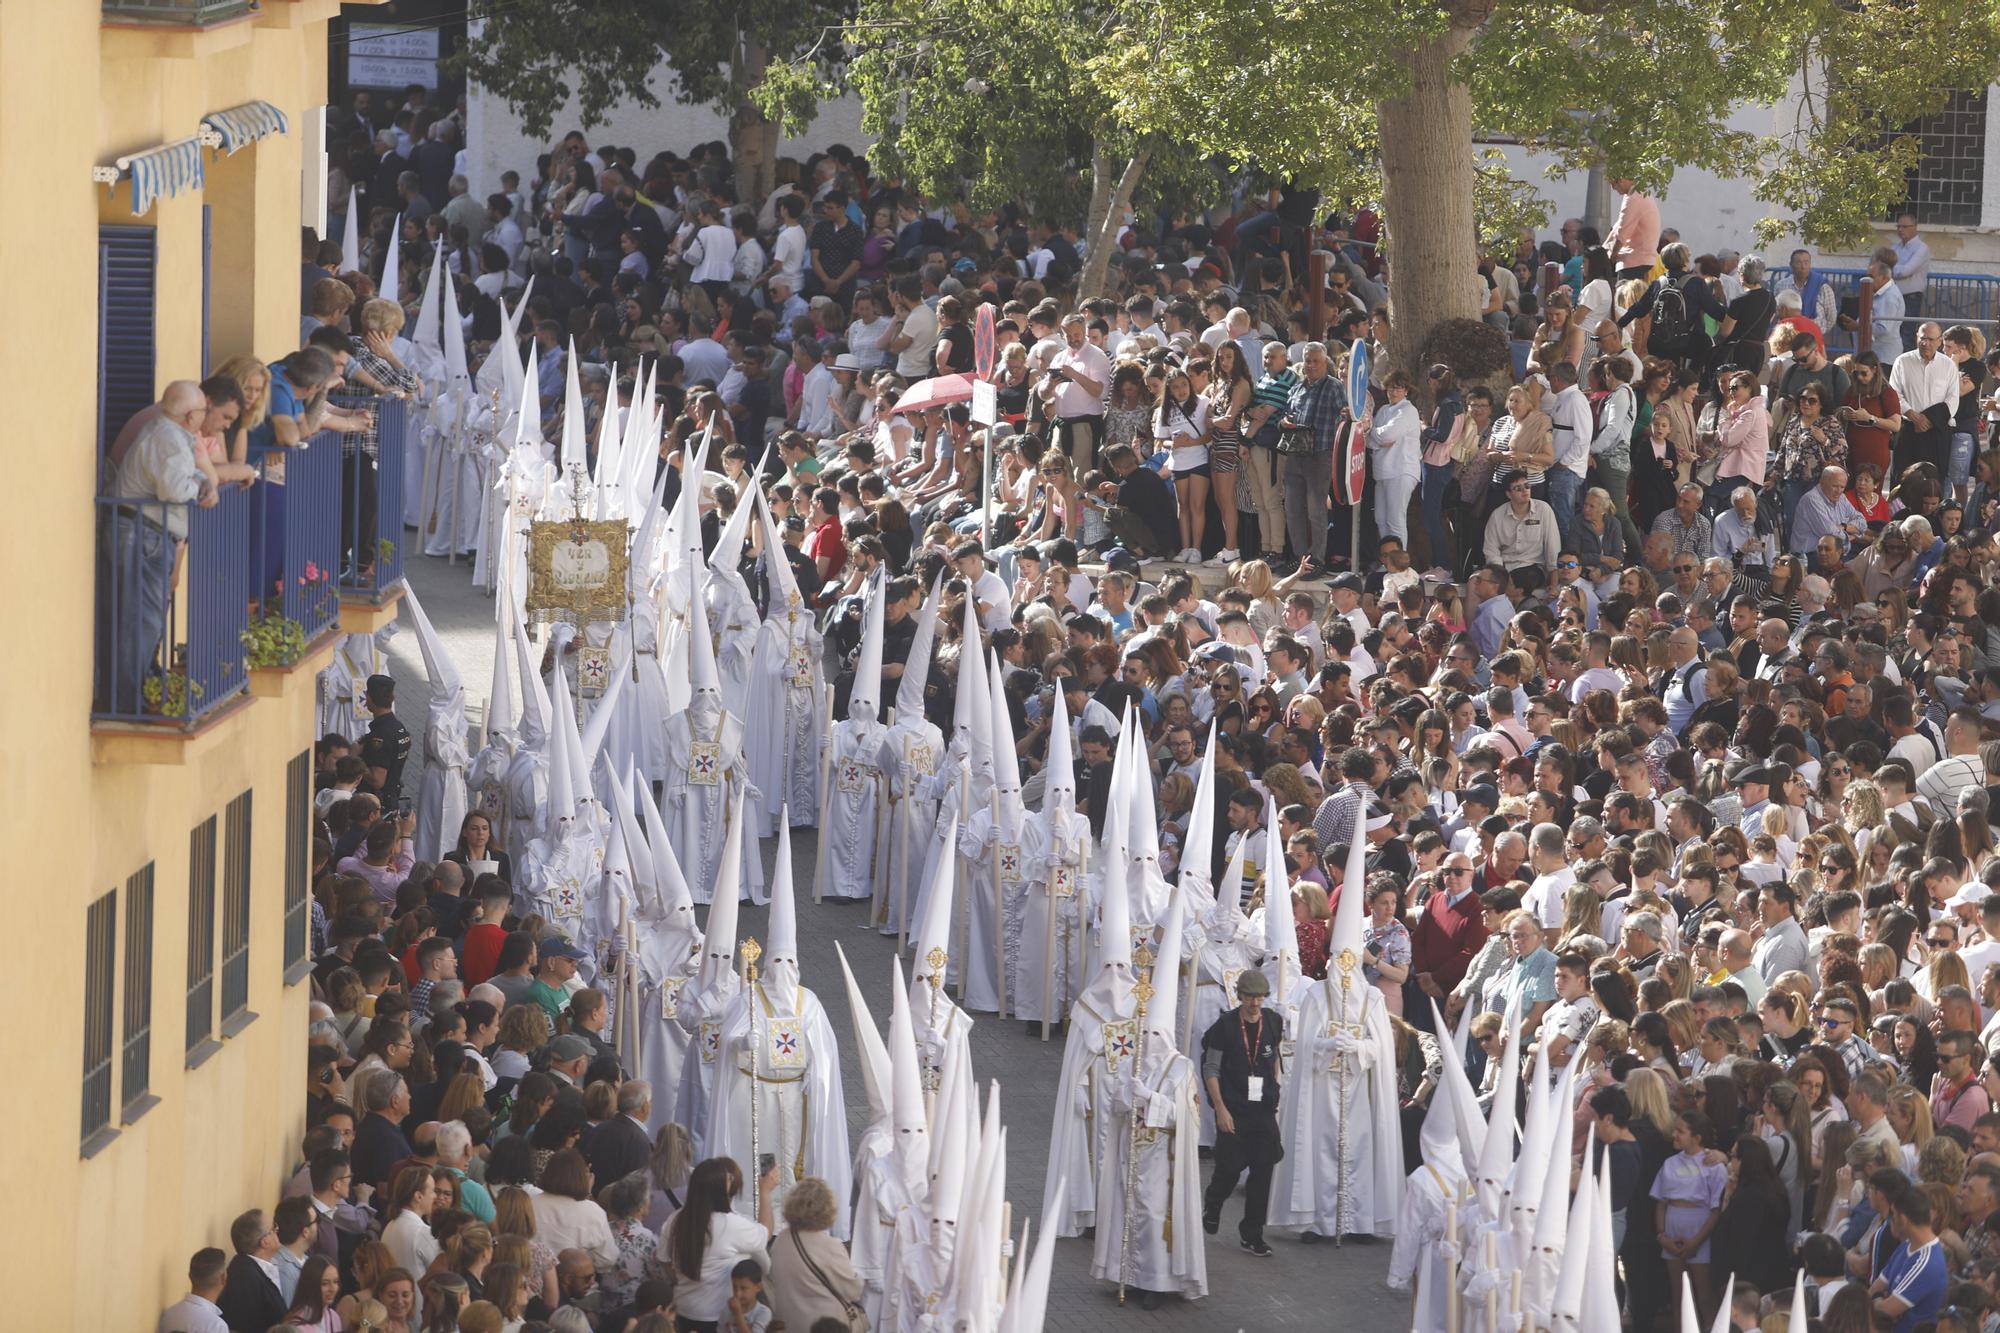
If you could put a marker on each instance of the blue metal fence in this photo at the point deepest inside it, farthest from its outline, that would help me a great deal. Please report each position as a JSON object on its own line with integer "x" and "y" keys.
{"x": 1949, "y": 298}
{"x": 170, "y": 614}
{"x": 372, "y": 485}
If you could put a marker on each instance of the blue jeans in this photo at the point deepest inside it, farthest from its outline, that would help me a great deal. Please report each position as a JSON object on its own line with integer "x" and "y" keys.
{"x": 1963, "y": 444}
{"x": 136, "y": 558}
{"x": 1437, "y": 485}
{"x": 1565, "y": 490}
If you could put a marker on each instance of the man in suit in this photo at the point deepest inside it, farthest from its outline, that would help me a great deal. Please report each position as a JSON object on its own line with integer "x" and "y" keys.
{"x": 621, "y": 1145}
{"x": 380, "y": 1144}
{"x": 251, "y": 1301}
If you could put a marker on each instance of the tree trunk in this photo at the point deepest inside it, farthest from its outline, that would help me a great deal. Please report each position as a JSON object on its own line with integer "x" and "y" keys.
{"x": 1427, "y": 197}
{"x": 753, "y": 137}
{"x": 1108, "y": 197}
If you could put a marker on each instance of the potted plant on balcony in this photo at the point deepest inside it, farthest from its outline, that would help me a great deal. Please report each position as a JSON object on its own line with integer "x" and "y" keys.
{"x": 274, "y": 639}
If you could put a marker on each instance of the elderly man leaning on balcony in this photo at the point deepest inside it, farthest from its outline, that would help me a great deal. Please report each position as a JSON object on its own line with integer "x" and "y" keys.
{"x": 161, "y": 465}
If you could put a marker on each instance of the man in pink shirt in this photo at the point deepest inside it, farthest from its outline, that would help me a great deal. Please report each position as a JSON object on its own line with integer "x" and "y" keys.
{"x": 1956, "y": 1095}
{"x": 1635, "y": 238}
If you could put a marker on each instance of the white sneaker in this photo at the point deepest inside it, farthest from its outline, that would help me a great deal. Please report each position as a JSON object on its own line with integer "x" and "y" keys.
{"x": 1192, "y": 555}
{"x": 1226, "y": 555}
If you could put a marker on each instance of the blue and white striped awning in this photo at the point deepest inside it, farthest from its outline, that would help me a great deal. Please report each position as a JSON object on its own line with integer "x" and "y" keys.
{"x": 166, "y": 170}
{"x": 241, "y": 126}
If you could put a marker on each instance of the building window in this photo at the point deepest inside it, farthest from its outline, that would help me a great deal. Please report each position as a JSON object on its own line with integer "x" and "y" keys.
{"x": 136, "y": 1075}
{"x": 201, "y": 934}
{"x": 236, "y": 908}
{"x": 99, "y": 979}
{"x": 298, "y": 856}
{"x": 126, "y": 261}
{"x": 1945, "y": 188}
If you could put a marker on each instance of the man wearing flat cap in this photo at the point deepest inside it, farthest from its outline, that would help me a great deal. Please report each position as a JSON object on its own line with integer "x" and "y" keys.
{"x": 1239, "y": 1070}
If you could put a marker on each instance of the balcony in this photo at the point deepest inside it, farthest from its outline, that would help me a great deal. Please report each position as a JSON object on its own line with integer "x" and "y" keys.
{"x": 178, "y": 13}
{"x": 192, "y": 599}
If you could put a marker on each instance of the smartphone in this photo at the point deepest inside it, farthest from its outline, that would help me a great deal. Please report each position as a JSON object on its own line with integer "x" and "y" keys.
{"x": 403, "y": 805}
{"x": 766, "y": 1163}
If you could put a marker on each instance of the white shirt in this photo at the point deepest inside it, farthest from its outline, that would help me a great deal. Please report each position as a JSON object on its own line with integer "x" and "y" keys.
{"x": 991, "y": 592}
{"x": 789, "y": 250}
{"x": 869, "y": 342}
{"x": 816, "y": 402}
{"x": 713, "y": 254}
{"x": 192, "y": 1314}
{"x": 732, "y": 1238}
{"x": 1571, "y": 414}
{"x": 1917, "y": 749}
{"x": 1195, "y": 424}
{"x": 1922, "y": 384}
{"x": 1544, "y": 898}
{"x": 409, "y": 1239}
{"x": 1943, "y": 781}
{"x": 1073, "y": 400}
{"x": 917, "y": 361}
{"x": 749, "y": 262}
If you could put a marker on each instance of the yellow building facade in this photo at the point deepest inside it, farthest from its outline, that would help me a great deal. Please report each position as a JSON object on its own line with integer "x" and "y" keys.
{"x": 157, "y": 989}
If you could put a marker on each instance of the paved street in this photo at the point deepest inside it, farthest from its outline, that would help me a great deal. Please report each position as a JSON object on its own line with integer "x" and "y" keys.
{"x": 1300, "y": 1288}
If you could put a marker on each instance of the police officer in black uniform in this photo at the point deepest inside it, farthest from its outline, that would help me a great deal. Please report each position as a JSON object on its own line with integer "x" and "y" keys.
{"x": 385, "y": 746}
{"x": 1239, "y": 1067}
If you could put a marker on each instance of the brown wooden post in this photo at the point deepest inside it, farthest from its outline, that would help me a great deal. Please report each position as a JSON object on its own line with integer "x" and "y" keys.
{"x": 1316, "y": 293}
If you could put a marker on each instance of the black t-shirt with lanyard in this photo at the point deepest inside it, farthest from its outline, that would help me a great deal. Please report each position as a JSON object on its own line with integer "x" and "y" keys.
{"x": 1248, "y": 1049}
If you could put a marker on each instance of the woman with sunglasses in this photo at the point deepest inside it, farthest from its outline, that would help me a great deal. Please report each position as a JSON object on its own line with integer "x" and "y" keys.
{"x": 1812, "y": 440}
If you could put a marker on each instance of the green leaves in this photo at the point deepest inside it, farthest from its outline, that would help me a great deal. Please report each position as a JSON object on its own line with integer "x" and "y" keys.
{"x": 543, "y": 52}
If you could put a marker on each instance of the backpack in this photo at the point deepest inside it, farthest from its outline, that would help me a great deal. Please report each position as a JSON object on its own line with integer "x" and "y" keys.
{"x": 1673, "y": 332}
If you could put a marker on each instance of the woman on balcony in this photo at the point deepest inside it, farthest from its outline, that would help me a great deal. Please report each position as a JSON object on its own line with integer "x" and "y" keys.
{"x": 297, "y": 408}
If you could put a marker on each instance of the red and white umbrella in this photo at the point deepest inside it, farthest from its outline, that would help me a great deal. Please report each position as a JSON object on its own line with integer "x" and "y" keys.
{"x": 935, "y": 392}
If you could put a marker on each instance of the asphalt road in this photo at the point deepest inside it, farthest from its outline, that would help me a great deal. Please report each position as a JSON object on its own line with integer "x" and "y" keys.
{"x": 1299, "y": 1287}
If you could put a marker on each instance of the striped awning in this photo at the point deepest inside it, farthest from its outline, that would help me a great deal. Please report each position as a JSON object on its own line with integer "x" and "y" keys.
{"x": 166, "y": 170}
{"x": 241, "y": 126}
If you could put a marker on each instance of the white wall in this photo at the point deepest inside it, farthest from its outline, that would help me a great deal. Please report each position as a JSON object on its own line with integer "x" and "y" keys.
{"x": 496, "y": 141}
{"x": 1714, "y": 212}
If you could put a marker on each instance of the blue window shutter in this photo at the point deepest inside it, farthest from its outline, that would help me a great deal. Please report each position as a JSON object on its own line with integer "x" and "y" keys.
{"x": 126, "y": 297}
{"x": 206, "y": 274}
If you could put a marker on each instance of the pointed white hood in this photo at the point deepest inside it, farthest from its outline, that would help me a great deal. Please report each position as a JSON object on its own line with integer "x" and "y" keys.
{"x": 609, "y": 483}
{"x": 453, "y": 331}
{"x": 916, "y": 667}
{"x": 500, "y": 714}
{"x": 564, "y": 781}
{"x": 728, "y": 554}
{"x": 1109, "y": 993}
{"x": 1567, "y": 1306}
{"x": 1006, "y": 763}
{"x": 875, "y": 1069}
{"x": 350, "y": 238}
{"x": 780, "y": 969}
{"x": 1198, "y": 847}
{"x": 932, "y": 941}
{"x": 575, "y": 445}
{"x": 908, "y": 1117}
{"x": 705, "y": 704}
{"x": 1160, "y": 1010}
{"x": 718, "y": 949}
{"x": 1059, "y": 787}
{"x": 1344, "y": 941}
{"x": 443, "y": 672}
{"x": 1281, "y": 928}
{"x": 675, "y": 901}
{"x": 389, "y": 288}
{"x": 590, "y": 747}
{"x": 535, "y": 704}
{"x": 1228, "y": 916}
{"x": 952, "y": 1120}
{"x": 425, "y": 332}
{"x": 864, "y": 701}
{"x": 1496, "y": 1153}
{"x": 785, "y": 597}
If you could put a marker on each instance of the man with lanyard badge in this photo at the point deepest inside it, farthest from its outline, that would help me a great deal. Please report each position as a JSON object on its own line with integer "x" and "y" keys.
{"x": 1239, "y": 1067}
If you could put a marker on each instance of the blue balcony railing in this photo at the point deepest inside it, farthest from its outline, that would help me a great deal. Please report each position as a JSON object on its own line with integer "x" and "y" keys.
{"x": 371, "y": 485}
{"x": 170, "y": 613}
{"x": 178, "y": 13}
{"x": 297, "y": 542}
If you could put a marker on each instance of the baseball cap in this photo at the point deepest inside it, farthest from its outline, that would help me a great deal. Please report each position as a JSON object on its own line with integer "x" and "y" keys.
{"x": 559, "y": 946}
{"x": 1350, "y": 581}
{"x": 568, "y": 1047}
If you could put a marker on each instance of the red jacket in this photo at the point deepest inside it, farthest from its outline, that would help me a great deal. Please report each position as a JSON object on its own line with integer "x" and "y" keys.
{"x": 1446, "y": 938}
{"x": 482, "y": 954}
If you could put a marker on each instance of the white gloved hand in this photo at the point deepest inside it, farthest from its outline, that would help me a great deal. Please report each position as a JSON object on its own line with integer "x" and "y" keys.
{"x": 1345, "y": 1043}
{"x": 1081, "y": 1099}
